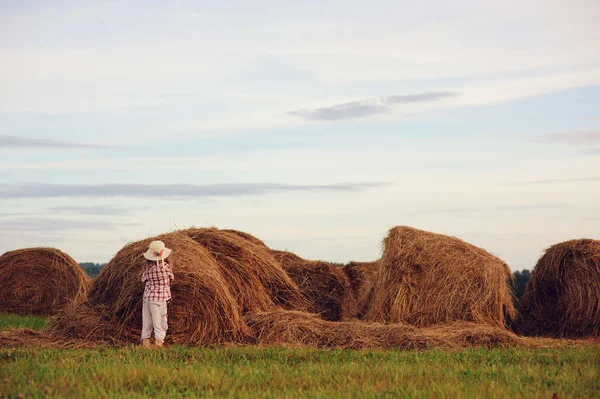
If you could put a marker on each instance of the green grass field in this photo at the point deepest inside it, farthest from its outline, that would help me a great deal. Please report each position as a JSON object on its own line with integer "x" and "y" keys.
{"x": 33, "y": 322}
{"x": 250, "y": 372}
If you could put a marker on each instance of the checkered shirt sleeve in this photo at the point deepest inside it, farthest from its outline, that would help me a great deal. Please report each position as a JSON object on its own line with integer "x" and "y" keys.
{"x": 158, "y": 282}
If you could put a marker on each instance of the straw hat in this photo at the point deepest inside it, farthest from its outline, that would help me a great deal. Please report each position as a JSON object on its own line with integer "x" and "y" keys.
{"x": 157, "y": 251}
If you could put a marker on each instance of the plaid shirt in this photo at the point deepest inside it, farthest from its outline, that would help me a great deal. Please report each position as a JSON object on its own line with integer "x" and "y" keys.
{"x": 158, "y": 282}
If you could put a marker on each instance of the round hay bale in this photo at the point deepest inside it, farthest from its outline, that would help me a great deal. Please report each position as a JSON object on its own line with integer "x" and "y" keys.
{"x": 325, "y": 286}
{"x": 258, "y": 281}
{"x": 427, "y": 278}
{"x": 362, "y": 276}
{"x": 286, "y": 258}
{"x": 39, "y": 281}
{"x": 562, "y": 297}
{"x": 246, "y": 236}
{"x": 203, "y": 310}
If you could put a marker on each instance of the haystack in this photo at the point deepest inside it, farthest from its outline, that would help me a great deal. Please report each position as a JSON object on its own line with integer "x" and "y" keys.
{"x": 362, "y": 276}
{"x": 562, "y": 298}
{"x": 39, "y": 281}
{"x": 203, "y": 310}
{"x": 324, "y": 285}
{"x": 79, "y": 325}
{"x": 246, "y": 236}
{"x": 428, "y": 278}
{"x": 303, "y": 329}
{"x": 253, "y": 275}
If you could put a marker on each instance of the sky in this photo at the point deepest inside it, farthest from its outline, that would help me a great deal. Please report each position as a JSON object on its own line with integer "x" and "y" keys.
{"x": 314, "y": 125}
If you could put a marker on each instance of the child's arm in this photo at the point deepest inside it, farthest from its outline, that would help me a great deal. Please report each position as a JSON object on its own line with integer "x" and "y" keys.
{"x": 169, "y": 271}
{"x": 145, "y": 274}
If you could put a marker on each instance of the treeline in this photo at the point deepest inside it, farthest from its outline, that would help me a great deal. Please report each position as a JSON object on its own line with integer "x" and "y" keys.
{"x": 92, "y": 269}
{"x": 521, "y": 279}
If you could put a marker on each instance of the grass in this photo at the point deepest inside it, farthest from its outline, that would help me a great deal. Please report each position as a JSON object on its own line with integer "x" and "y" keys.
{"x": 249, "y": 372}
{"x": 18, "y": 321}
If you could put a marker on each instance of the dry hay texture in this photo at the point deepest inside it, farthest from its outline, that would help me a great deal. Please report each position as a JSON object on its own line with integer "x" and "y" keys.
{"x": 39, "y": 281}
{"x": 246, "y": 236}
{"x": 562, "y": 298}
{"x": 362, "y": 275}
{"x": 325, "y": 286}
{"x": 203, "y": 310}
{"x": 254, "y": 276}
{"x": 303, "y": 329}
{"x": 427, "y": 278}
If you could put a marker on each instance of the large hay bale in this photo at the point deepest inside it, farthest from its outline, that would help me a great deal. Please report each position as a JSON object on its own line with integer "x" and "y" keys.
{"x": 39, "y": 281}
{"x": 428, "y": 278}
{"x": 203, "y": 310}
{"x": 246, "y": 236}
{"x": 562, "y": 297}
{"x": 325, "y": 286}
{"x": 362, "y": 276}
{"x": 303, "y": 329}
{"x": 252, "y": 273}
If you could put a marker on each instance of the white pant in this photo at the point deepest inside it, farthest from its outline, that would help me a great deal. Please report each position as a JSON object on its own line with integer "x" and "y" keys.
{"x": 154, "y": 314}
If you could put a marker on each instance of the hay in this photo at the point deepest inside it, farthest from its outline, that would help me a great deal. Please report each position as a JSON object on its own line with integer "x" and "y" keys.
{"x": 293, "y": 328}
{"x": 39, "y": 281}
{"x": 325, "y": 286}
{"x": 247, "y": 237}
{"x": 254, "y": 276}
{"x": 303, "y": 329}
{"x": 14, "y": 337}
{"x": 428, "y": 278}
{"x": 562, "y": 298}
{"x": 80, "y": 324}
{"x": 362, "y": 276}
{"x": 203, "y": 310}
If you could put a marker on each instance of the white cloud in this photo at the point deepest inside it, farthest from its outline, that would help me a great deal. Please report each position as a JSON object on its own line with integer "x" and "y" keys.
{"x": 65, "y": 61}
{"x": 124, "y": 74}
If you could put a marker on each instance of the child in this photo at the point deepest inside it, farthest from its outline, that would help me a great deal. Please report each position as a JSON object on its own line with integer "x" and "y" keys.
{"x": 158, "y": 277}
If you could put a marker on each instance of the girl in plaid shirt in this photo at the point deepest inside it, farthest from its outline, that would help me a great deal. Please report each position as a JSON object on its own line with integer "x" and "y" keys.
{"x": 157, "y": 276}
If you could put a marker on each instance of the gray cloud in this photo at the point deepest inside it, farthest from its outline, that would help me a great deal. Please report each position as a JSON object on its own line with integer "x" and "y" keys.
{"x": 366, "y": 107}
{"x": 578, "y": 137}
{"x": 48, "y": 224}
{"x": 21, "y": 142}
{"x": 13, "y": 214}
{"x": 90, "y": 210}
{"x": 170, "y": 190}
{"x": 352, "y": 110}
{"x": 417, "y": 98}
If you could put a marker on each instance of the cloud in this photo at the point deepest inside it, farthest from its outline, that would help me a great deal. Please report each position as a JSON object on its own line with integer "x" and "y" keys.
{"x": 578, "y": 137}
{"x": 549, "y": 181}
{"x": 21, "y": 142}
{"x": 366, "y": 107}
{"x": 351, "y": 110}
{"x": 90, "y": 210}
{"x": 417, "y": 98}
{"x": 53, "y": 225}
{"x": 14, "y": 214}
{"x": 491, "y": 208}
{"x": 170, "y": 190}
